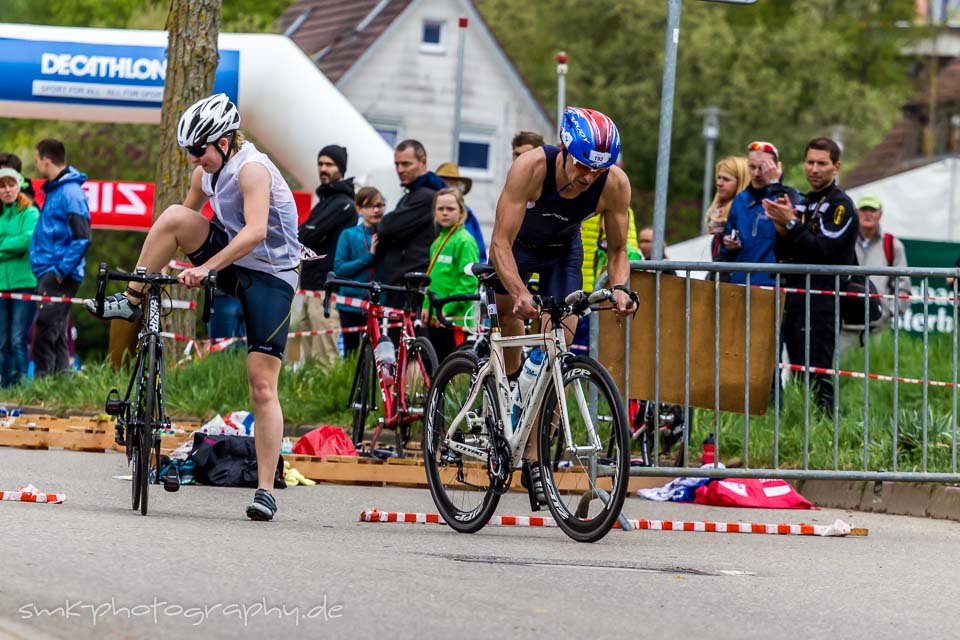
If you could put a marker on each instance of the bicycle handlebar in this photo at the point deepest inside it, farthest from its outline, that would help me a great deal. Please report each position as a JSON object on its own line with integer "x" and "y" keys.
{"x": 437, "y": 304}
{"x": 374, "y": 287}
{"x": 153, "y": 279}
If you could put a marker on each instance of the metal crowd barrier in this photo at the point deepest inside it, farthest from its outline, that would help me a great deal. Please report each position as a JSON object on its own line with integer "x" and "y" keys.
{"x": 882, "y": 465}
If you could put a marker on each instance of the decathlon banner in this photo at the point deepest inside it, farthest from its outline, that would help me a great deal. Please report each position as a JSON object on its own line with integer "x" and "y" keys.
{"x": 95, "y": 74}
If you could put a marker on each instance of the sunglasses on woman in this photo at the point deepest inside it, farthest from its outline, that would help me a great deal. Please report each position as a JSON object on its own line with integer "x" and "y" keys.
{"x": 197, "y": 151}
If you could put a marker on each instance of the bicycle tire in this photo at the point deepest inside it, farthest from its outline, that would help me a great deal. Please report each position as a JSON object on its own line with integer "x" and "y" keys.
{"x": 420, "y": 367}
{"x": 584, "y": 522}
{"x": 451, "y": 385}
{"x": 133, "y": 417}
{"x": 362, "y": 392}
{"x": 147, "y": 425}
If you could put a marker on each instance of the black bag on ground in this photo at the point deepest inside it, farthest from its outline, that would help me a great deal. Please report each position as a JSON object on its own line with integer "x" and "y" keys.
{"x": 851, "y": 308}
{"x": 229, "y": 461}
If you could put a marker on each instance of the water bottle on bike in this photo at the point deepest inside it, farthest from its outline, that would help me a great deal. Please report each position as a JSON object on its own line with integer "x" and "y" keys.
{"x": 528, "y": 375}
{"x": 386, "y": 357}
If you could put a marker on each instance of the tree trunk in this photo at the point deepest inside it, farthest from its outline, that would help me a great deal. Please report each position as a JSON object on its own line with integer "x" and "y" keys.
{"x": 193, "y": 27}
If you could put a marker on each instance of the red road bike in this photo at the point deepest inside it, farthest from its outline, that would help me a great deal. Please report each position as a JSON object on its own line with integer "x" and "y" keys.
{"x": 403, "y": 373}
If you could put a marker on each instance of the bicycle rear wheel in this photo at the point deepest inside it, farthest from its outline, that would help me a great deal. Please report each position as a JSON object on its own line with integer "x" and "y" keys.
{"x": 461, "y": 486}
{"x": 585, "y": 488}
{"x": 420, "y": 368}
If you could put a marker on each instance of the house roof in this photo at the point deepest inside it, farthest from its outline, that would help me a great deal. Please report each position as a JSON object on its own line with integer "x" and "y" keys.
{"x": 889, "y": 156}
{"x": 336, "y": 33}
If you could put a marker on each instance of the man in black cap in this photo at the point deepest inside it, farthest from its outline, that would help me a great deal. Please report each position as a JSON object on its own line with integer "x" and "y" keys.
{"x": 334, "y": 212}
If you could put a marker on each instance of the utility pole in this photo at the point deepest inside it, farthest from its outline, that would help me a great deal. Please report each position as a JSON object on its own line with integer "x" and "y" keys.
{"x": 458, "y": 93}
{"x": 711, "y": 131}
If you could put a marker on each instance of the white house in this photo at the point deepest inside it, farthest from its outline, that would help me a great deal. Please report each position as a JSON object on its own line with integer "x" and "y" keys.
{"x": 396, "y": 62}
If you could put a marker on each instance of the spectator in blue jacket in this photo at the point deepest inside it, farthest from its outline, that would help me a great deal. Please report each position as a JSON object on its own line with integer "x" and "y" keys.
{"x": 749, "y": 235}
{"x": 60, "y": 242}
{"x": 356, "y": 260}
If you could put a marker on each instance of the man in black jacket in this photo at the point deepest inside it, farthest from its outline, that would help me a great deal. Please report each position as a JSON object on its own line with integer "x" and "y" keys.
{"x": 334, "y": 212}
{"x": 823, "y": 231}
{"x": 405, "y": 234}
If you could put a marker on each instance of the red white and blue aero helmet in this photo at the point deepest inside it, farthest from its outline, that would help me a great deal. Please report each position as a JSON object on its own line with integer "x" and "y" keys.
{"x": 590, "y": 137}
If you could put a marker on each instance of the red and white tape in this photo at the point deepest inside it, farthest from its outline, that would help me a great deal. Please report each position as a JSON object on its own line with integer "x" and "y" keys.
{"x": 838, "y": 529}
{"x": 27, "y": 496}
{"x": 175, "y": 304}
{"x": 872, "y": 376}
{"x": 856, "y": 294}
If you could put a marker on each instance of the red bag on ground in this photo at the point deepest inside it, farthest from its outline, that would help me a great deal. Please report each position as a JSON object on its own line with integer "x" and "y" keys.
{"x": 327, "y": 440}
{"x": 749, "y": 493}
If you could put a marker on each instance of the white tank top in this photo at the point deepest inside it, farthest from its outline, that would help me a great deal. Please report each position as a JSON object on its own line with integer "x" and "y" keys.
{"x": 279, "y": 253}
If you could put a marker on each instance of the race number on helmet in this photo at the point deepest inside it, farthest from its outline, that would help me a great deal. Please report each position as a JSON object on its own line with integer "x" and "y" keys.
{"x": 590, "y": 137}
{"x": 207, "y": 121}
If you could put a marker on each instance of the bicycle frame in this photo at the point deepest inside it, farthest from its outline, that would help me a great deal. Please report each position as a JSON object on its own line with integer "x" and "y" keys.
{"x": 555, "y": 347}
{"x": 394, "y": 406}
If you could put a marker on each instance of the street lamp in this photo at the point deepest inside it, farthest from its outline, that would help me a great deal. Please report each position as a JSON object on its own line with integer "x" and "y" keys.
{"x": 562, "y": 60}
{"x": 711, "y": 131}
{"x": 666, "y": 119}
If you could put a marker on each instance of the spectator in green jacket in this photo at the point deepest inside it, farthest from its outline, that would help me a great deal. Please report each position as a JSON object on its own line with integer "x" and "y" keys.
{"x": 18, "y": 217}
{"x": 451, "y": 251}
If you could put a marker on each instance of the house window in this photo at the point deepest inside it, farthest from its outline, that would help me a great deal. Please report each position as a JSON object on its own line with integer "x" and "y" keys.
{"x": 431, "y": 36}
{"x": 388, "y": 133}
{"x": 474, "y": 152}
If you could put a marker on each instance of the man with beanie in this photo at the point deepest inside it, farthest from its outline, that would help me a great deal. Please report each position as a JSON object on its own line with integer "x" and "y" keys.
{"x": 334, "y": 212}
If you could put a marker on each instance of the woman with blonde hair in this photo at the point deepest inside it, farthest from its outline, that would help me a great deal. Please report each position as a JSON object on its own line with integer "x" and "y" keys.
{"x": 733, "y": 176}
{"x": 18, "y": 217}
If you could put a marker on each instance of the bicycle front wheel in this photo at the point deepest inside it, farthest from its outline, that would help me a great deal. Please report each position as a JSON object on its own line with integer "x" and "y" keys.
{"x": 362, "y": 395}
{"x": 419, "y": 370}
{"x": 147, "y": 423}
{"x": 460, "y": 485}
{"x": 585, "y": 479}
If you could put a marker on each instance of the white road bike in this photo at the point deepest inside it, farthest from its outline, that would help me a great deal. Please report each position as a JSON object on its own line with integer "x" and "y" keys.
{"x": 473, "y": 445}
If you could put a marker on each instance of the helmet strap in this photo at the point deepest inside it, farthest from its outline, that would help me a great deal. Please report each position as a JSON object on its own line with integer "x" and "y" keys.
{"x": 224, "y": 157}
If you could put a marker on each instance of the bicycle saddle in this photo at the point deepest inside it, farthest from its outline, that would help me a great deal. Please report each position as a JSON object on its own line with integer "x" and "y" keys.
{"x": 416, "y": 279}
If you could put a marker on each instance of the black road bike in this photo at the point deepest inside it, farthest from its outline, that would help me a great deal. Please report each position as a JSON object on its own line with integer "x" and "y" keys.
{"x": 141, "y": 413}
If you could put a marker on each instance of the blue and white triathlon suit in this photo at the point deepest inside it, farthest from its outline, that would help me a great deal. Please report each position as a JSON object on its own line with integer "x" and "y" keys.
{"x": 264, "y": 280}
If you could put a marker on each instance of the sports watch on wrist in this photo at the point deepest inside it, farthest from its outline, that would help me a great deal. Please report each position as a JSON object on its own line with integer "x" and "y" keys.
{"x": 791, "y": 223}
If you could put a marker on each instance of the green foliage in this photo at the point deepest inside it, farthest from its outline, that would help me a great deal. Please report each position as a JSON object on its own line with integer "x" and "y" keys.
{"x": 314, "y": 393}
{"x": 783, "y": 71}
{"x": 853, "y": 429}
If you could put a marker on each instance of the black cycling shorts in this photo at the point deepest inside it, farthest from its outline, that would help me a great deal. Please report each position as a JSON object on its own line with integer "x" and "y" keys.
{"x": 559, "y": 268}
{"x": 264, "y": 298}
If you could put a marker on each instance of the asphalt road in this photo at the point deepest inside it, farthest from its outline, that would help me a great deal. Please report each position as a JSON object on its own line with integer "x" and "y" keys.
{"x": 91, "y": 568}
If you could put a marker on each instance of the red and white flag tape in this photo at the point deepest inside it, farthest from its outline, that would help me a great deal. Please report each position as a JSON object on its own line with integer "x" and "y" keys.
{"x": 838, "y": 529}
{"x": 167, "y": 304}
{"x": 30, "y": 493}
{"x": 861, "y": 375}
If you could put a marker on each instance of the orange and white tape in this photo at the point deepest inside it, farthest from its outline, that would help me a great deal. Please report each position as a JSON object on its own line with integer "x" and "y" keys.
{"x": 838, "y": 529}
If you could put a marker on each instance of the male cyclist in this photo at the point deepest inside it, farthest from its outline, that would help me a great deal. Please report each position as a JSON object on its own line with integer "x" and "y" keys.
{"x": 251, "y": 243}
{"x": 549, "y": 192}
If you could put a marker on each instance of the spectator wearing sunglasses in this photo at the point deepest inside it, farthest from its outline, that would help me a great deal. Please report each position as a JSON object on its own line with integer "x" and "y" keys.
{"x": 749, "y": 236}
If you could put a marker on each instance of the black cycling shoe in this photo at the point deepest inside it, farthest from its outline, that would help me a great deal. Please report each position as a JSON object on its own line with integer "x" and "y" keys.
{"x": 263, "y": 507}
{"x": 538, "y": 497}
